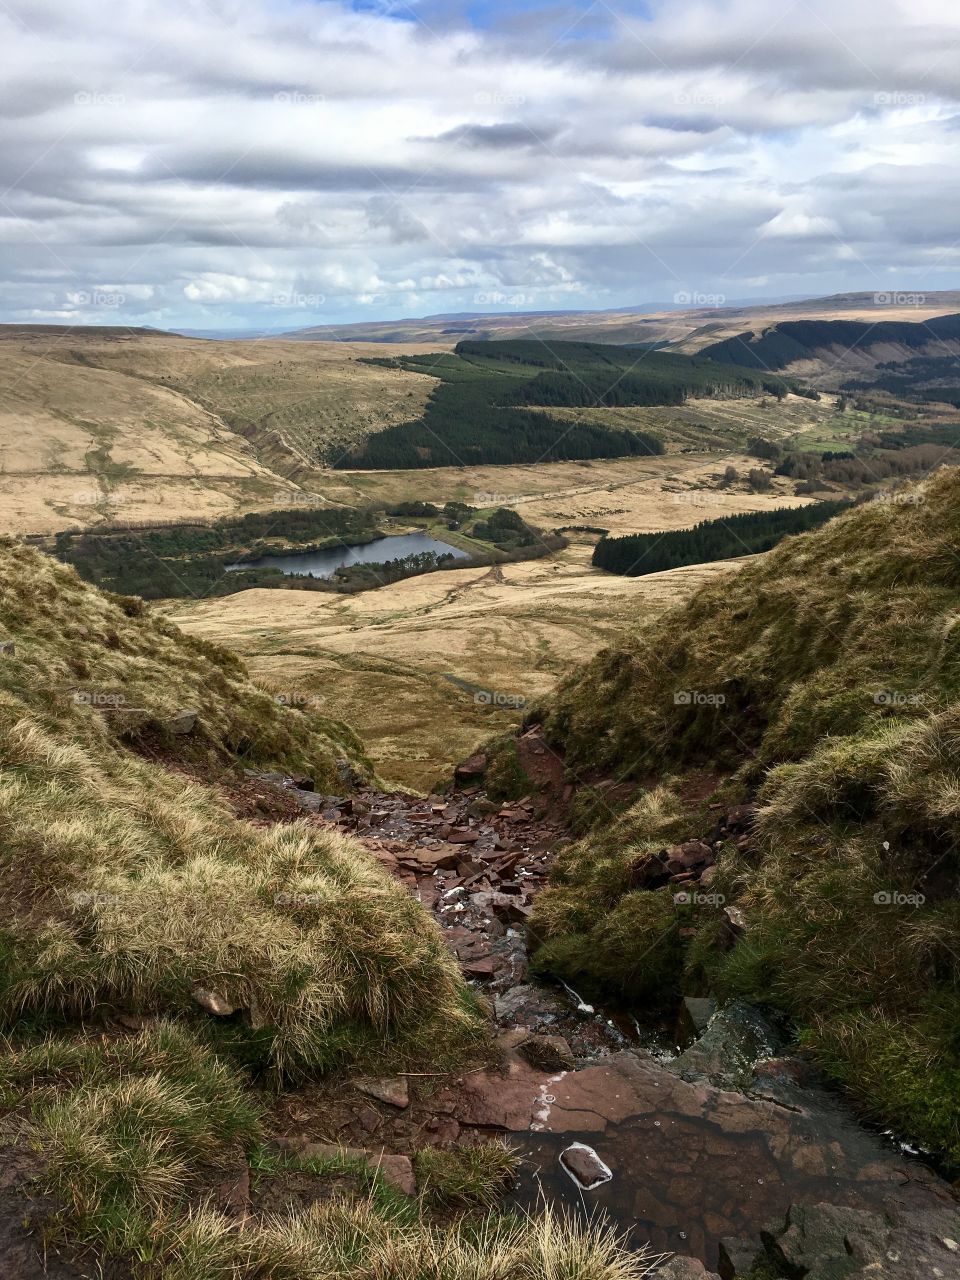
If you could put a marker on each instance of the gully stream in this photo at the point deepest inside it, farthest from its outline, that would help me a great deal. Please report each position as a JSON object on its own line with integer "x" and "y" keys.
{"x": 707, "y": 1139}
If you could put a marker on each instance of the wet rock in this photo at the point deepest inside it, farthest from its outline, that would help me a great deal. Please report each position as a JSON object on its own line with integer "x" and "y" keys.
{"x": 547, "y": 1053}
{"x": 737, "y": 1255}
{"x": 213, "y": 1002}
{"x": 680, "y": 1268}
{"x": 697, "y": 1012}
{"x": 737, "y": 1037}
{"x": 526, "y": 1005}
{"x": 585, "y": 1167}
{"x": 816, "y": 1240}
{"x": 393, "y": 1092}
{"x": 184, "y": 722}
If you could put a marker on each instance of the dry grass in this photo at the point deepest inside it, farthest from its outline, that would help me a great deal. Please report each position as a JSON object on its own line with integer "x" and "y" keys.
{"x": 382, "y": 660}
{"x": 151, "y": 427}
{"x": 127, "y": 886}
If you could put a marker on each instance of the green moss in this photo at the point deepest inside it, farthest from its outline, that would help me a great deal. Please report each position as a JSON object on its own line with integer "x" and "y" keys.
{"x": 506, "y": 778}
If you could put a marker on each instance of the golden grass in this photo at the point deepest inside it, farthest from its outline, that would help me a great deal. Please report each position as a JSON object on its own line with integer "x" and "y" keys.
{"x": 126, "y": 885}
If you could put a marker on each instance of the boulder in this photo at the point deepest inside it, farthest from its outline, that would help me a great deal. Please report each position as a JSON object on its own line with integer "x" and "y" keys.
{"x": 474, "y": 766}
{"x": 584, "y": 1166}
{"x": 681, "y": 1268}
{"x": 398, "y": 1171}
{"x": 184, "y": 722}
{"x": 737, "y": 1255}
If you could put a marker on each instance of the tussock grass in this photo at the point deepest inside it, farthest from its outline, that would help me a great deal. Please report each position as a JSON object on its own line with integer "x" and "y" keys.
{"x": 465, "y": 1176}
{"x": 135, "y": 1133}
{"x": 127, "y": 886}
{"x": 837, "y": 666}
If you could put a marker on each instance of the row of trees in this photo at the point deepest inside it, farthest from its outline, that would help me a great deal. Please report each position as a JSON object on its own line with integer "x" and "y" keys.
{"x": 641, "y": 553}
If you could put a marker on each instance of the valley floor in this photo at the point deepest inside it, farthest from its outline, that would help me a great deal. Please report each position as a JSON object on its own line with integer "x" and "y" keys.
{"x": 425, "y": 668}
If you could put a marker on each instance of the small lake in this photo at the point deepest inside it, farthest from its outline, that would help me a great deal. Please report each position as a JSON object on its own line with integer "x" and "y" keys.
{"x": 322, "y": 564}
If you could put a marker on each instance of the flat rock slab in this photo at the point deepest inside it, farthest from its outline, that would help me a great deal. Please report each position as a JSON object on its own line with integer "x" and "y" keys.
{"x": 695, "y": 1163}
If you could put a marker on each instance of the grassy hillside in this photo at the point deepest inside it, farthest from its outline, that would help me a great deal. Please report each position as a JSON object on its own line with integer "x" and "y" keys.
{"x": 168, "y": 968}
{"x": 482, "y": 411}
{"x": 820, "y": 686}
{"x": 103, "y": 425}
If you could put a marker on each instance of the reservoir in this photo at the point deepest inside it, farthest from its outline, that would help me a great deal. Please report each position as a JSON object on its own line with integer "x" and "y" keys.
{"x": 322, "y": 564}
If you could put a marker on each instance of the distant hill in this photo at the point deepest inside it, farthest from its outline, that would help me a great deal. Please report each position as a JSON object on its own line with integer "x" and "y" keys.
{"x": 492, "y": 402}
{"x": 908, "y": 359}
{"x": 689, "y": 327}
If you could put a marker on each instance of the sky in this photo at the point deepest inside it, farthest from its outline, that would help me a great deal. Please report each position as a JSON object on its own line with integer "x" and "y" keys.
{"x": 273, "y": 164}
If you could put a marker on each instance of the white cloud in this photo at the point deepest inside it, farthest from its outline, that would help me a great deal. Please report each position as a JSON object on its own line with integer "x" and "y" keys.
{"x": 208, "y": 159}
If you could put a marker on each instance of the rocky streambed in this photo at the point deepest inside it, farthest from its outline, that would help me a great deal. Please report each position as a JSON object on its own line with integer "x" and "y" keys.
{"x": 708, "y": 1140}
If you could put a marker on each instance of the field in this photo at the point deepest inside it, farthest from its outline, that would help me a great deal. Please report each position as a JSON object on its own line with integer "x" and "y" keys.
{"x": 404, "y": 664}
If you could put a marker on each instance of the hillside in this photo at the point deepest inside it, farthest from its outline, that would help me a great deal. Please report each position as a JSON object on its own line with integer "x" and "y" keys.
{"x": 493, "y": 400}
{"x": 910, "y": 359}
{"x": 102, "y": 425}
{"x": 817, "y": 690}
{"x": 173, "y": 974}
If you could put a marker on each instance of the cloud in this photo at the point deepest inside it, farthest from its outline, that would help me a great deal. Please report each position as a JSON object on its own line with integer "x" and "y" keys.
{"x": 211, "y": 160}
